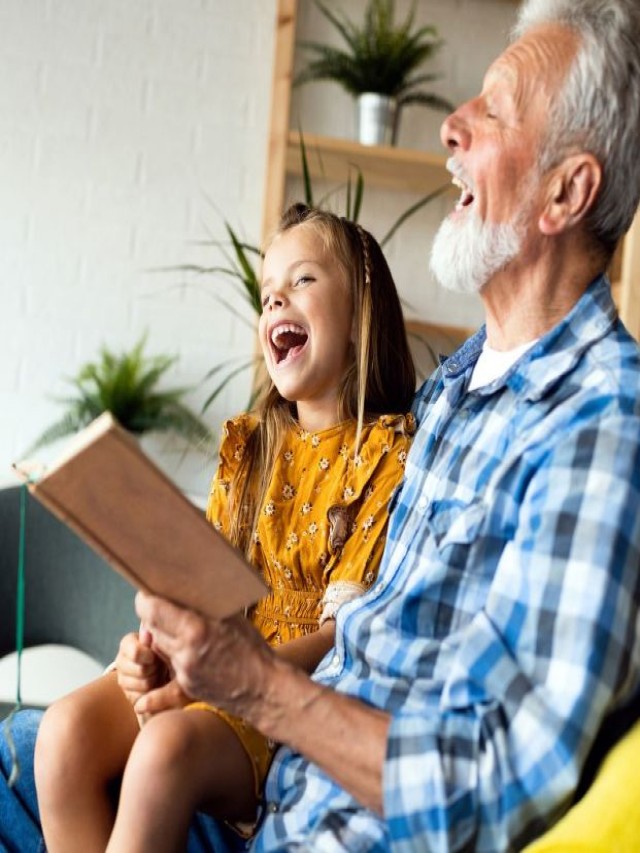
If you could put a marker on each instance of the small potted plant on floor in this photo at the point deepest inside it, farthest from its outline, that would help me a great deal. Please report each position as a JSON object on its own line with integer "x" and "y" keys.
{"x": 378, "y": 66}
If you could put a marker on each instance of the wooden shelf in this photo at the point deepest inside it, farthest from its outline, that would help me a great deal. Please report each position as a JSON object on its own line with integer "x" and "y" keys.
{"x": 383, "y": 166}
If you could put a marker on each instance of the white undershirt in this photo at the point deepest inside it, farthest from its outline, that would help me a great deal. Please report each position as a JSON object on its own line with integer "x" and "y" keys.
{"x": 493, "y": 363}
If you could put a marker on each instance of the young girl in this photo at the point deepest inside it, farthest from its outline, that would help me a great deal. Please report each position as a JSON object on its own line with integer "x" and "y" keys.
{"x": 302, "y": 487}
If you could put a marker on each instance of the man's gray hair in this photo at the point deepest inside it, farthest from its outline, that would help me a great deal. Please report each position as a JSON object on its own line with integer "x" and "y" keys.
{"x": 598, "y": 109}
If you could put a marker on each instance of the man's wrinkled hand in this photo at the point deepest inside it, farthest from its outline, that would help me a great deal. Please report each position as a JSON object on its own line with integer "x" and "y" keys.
{"x": 224, "y": 662}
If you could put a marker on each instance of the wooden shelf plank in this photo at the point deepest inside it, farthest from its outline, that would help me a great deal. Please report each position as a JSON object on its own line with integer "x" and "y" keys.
{"x": 629, "y": 297}
{"x": 384, "y": 166}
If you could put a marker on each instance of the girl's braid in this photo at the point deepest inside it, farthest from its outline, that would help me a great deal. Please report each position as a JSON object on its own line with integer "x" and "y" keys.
{"x": 366, "y": 257}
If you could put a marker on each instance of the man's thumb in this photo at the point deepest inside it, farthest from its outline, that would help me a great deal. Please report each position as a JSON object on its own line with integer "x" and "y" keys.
{"x": 155, "y": 701}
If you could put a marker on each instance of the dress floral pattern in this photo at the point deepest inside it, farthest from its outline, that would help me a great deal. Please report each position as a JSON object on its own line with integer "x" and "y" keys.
{"x": 317, "y": 486}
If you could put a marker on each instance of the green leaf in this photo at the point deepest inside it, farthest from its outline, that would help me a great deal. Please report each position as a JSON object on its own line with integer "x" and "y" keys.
{"x": 353, "y": 207}
{"x": 223, "y": 384}
{"x": 250, "y": 278}
{"x": 414, "y": 208}
{"x": 306, "y": 174}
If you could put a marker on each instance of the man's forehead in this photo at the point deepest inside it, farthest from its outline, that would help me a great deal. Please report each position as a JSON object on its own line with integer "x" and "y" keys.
{"x": 536, "y": 61}
{"x": 501, "y": 71}
{"x": 545, "y": 51}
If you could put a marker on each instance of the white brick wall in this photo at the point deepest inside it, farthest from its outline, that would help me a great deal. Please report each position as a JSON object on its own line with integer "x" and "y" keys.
{"x": 121, "y": 121}
{"x": 128, "y": 129}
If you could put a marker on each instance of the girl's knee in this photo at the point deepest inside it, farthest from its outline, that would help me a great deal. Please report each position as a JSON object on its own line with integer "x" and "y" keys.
{"x": 166, "y": 743}
{"x": 59, "y": 758}
{"x": 70, "y": 737}
{"x": 59, "y": 729}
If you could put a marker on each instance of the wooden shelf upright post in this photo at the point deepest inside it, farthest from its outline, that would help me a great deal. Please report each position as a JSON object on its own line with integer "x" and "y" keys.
{"x": 276, "y": 173}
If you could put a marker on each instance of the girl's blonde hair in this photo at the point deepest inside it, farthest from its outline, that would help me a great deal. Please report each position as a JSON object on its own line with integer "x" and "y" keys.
{"x": 380, "y": 380}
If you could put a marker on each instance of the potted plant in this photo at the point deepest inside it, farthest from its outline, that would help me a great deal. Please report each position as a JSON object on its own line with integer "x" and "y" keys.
{"x": 126, "y": 385}
{"x": 378, "y": 67}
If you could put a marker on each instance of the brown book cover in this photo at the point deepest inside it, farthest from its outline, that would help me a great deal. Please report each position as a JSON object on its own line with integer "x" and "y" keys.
{"x": 115, "y": 498}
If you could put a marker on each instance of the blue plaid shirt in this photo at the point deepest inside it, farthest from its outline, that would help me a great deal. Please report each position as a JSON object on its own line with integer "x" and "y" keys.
{"x": 502, "y": 628}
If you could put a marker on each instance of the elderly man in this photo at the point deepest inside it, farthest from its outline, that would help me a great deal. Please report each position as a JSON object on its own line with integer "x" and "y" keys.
{"x": 467, "y": 688}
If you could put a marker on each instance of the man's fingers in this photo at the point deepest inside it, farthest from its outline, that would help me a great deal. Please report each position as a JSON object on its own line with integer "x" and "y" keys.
{"x": 133, "y": 650}
{"x": 172, "y": 627}
{"x": 163, "y": 699}
{"x": 134, "y": 684}
{"x": 144, "y": 635}
{"x": 158, "y": 615}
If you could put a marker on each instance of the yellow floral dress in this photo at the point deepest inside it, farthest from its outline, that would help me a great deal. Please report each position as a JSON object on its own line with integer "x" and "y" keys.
{"x": 321, "y": 530}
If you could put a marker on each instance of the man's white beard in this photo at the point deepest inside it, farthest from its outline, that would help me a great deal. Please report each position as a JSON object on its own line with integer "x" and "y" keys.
{"x": 465, "y": 255}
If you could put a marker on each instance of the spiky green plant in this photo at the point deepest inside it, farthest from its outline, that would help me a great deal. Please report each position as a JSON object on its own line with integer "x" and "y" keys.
{"x": 126, "y": 385}
{"x": 379, "y": 56}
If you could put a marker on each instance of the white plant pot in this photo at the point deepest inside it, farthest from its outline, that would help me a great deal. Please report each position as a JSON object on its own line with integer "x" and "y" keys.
{"x": 377, "y": 117}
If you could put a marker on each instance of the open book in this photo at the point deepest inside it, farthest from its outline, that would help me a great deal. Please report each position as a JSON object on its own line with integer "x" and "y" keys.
{"x": 116, "y": 499}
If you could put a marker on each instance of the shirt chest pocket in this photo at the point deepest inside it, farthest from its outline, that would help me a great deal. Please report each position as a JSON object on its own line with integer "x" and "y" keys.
{"x": 459, "y": 574}
{"x": 455, "y": 527}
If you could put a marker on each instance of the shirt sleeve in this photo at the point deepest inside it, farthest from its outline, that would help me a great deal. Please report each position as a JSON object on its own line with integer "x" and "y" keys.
{"x": 539, "y": 666}
{"x": 352, "y": 571}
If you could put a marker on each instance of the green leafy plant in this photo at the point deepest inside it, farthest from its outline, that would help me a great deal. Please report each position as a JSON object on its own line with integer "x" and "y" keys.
{"x": 240, "y": 270}
{"x": 378, "y": 56}
{"x": 126, "y": 385}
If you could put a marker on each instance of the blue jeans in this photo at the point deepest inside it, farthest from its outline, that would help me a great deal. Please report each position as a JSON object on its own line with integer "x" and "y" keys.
{"x": 20, "y": 830}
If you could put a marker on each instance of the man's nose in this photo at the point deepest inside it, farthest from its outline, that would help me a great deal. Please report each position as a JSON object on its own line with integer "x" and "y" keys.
{"x": 455, "y": 132}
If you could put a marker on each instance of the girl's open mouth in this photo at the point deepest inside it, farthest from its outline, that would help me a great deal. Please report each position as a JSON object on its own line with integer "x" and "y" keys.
{"x": 287, "y": 341}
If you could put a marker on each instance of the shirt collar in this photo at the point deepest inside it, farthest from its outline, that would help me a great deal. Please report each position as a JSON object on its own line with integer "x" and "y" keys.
{"x": 555, "y": 353}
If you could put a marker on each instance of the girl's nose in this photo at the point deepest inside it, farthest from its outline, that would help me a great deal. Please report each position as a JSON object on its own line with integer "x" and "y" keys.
{"x": 276, "y": 300}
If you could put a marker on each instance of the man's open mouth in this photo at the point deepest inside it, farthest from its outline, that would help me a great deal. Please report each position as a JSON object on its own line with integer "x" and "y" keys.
{"x": 466, "y": 196}
{"x": 287, "y": 340}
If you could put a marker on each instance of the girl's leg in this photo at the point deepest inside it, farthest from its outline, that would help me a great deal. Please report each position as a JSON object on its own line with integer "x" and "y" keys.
{"x": 81, "y": 751}
{"x": 182, "y": 762}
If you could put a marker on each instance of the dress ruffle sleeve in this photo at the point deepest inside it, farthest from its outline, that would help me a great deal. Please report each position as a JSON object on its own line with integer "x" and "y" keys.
{"x": 235, "y": 433}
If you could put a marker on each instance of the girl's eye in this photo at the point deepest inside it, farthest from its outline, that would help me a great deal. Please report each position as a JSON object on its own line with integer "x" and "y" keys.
{"x": 265, "y": 300}
{"x": 302, "y": 281}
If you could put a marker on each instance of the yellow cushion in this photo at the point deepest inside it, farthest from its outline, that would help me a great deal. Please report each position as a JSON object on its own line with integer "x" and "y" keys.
{"x": 607, "y": 818}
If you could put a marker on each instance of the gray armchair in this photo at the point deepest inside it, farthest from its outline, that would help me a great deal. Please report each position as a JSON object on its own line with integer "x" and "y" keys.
{"x": 71, "y": 595}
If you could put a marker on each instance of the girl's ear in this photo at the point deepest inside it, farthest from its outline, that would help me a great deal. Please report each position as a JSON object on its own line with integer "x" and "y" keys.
{"x": 571, "y": 193}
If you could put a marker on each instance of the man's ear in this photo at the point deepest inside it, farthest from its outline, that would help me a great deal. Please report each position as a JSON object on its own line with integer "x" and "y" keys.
{"x": 571, "y": 191}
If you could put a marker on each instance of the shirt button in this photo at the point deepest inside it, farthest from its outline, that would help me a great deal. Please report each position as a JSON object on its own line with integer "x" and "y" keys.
{"x": 335, "y": 660}
{"x": 272, "y": 808}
